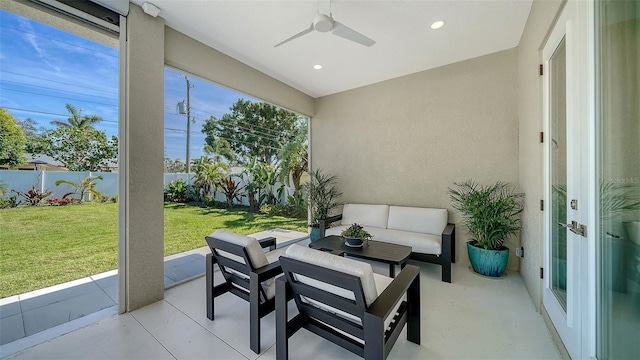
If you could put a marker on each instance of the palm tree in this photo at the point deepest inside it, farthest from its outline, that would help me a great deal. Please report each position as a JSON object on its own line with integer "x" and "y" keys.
{"x": 295, "y": 160}
{"x": 208, "y": 172}
{"x": 77, "y": 120}
{"x": 83, "y": 187}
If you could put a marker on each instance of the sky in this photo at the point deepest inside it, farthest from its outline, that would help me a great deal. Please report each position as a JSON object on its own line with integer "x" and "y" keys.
{"x": 42, "y": 69}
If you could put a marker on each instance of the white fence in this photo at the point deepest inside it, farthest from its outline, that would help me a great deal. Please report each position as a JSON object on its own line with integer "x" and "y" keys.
{"x": 21, "y": 180}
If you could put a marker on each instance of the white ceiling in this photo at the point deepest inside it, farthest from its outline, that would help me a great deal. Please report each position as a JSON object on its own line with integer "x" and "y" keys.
{"x": 405, "y": 44}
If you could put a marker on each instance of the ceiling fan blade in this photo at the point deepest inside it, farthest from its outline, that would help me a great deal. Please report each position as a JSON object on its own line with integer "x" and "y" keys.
{"x": 303, "y": 32}
{"x": 345, "y": 32}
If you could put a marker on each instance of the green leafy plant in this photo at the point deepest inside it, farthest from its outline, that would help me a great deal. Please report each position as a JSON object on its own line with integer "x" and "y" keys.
{"x": 178, "y": 191}
{"x": 34, "y": 196}
{"x": 491, "y": 213}
{"x": 322, "y": 195}
{"x": 356, "y": 231}
{"x": 82, "y": 188}
{"x": 231, "y": 189}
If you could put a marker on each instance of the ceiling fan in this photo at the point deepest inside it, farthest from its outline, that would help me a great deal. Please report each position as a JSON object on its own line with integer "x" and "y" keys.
{"x": 324, "y": 22}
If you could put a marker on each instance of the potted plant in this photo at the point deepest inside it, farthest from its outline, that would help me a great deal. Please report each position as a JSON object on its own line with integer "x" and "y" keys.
{"x": 355, "y": 236}
{"x": 491, "y": 213}
{"x": 322, "y": 197}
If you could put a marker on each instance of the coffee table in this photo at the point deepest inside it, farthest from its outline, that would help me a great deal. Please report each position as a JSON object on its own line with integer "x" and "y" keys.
{"x": 388, "y": 253}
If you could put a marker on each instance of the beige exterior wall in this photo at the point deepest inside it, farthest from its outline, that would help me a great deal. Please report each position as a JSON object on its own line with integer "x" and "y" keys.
{"x": 405, "y": 141}
{"x": 531, "y": 166}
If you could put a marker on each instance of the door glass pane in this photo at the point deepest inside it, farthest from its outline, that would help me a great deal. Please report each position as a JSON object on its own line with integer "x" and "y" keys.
{"x": 618, "y": 231}
{"x": 558, "y": 132}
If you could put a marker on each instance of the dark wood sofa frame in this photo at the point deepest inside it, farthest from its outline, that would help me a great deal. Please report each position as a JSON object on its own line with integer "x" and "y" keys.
{"x": 248, "y": 289}
{"x": 445, "y": 259}
{"x": 377, "y": 340}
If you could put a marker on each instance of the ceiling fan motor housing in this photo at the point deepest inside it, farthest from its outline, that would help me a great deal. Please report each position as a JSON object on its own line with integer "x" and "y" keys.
{"x": 323, "y": 23}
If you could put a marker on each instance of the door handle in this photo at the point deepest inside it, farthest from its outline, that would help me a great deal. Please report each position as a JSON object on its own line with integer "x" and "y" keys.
{"x": 576, "y": 228}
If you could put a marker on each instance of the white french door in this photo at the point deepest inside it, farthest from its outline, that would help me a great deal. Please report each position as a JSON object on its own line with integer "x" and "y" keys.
{"x": 567, "y": 176}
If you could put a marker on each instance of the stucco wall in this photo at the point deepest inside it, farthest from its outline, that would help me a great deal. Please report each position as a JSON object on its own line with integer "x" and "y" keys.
{"x": 405, "y": 141}
{"x": 531, "y": 170}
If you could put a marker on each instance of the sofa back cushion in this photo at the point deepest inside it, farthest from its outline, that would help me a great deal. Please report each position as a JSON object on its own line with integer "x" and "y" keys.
{"x": 420, "y": 220}
{"x": 365, "y": 215}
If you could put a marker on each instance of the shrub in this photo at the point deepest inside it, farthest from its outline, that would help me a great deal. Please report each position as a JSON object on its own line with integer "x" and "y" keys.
{"x": 60, "y": 202}
{"x": 9, "y": 202}
{"x": 34, "y": 196}
{"x": 178, "y": 191}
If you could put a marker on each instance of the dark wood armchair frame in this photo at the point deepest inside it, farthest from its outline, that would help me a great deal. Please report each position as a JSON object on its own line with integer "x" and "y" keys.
{"x": 253, "y": 292}
{"x": 445, "y": 259}
{"x": 377, "y": 341}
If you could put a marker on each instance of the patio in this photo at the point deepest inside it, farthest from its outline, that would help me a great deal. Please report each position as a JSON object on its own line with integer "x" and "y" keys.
{"x": 473, "y": 317}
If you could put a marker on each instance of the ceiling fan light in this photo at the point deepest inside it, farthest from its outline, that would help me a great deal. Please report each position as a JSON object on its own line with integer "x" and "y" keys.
{"x": 437, "y": 25}
{"x": 317, "y": 66}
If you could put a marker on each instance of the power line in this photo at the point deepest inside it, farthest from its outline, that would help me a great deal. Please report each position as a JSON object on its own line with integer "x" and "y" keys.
{"x": 59, "y": 90}
{"x": 58, "y": 97}
{"x": 59, "y": 82}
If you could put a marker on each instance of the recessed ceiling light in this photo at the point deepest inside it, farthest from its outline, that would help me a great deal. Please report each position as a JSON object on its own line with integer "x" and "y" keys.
{"x": 317, "y": 67}
{"x": 437, "y": 25}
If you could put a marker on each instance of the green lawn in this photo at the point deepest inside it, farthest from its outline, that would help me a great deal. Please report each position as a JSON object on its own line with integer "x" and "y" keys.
{"x": 48, "y": 245}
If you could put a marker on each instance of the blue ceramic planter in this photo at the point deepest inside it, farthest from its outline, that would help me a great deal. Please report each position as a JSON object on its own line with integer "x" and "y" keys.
{"x": 488, "y": 262}
{"x": 314, "y": 234}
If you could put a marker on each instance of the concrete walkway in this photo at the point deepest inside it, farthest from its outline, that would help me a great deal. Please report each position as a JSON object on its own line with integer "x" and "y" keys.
{"x": 34, "y": 317}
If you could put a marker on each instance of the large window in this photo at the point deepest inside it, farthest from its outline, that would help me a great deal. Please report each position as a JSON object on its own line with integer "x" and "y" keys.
{"x": 59, "y": 182}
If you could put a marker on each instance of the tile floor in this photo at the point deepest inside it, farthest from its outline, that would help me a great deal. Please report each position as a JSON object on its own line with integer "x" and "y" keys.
{"x": 34, "y": 317}
{"x": 471, "y": 318}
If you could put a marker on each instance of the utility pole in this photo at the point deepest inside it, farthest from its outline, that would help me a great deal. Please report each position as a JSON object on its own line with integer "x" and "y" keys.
{"x": 188, "y": 120}
{"x": 182, "y": 110}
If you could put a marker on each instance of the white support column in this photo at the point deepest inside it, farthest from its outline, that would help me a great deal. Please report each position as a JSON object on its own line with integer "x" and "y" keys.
{"x": 141, "y": 230}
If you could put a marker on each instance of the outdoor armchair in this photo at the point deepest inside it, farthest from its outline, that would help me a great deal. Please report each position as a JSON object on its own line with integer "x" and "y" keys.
{"x": 343, "y": 301}
{"x": 248, "y": 273}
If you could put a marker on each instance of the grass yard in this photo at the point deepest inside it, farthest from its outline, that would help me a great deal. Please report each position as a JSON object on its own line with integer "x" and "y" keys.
{"x": 49, "y": 245}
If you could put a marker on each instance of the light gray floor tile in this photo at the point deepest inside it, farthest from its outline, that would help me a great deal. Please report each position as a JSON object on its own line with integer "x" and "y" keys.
{"x": 180, "y": 335}
{"x": 10, "y": 308}
{"x": 11, "y": 328}
{"x": 29, "y": 303}
{"x": 64, "y": 311}
{"x": 119, "y": 337}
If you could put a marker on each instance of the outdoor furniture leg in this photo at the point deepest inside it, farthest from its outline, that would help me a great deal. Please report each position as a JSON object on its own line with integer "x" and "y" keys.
{"x": 254, "y": 318}
{"x": 413, "y": 316}
{"x": 282, "y": 339}
{"x": 209, "y": 284}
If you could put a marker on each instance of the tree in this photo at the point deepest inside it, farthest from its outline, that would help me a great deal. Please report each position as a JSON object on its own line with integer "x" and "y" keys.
{"x": 295, "y": 161}
{"x": 253, "y": 130}
{"x": 174, "y": 166}
{"x": 12, "y": 141}
{"x": 79, "y": 149}
{"x": 208, "y": 173}
{"x": 77, "y": 120}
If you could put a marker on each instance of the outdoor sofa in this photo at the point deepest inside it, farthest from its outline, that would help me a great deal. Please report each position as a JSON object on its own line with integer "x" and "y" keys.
{"x": 425, "y": 230}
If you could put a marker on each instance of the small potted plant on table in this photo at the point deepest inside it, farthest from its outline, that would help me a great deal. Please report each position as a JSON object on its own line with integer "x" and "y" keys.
{"x": 355, "y": 236}
{"x": 491, "y": 213}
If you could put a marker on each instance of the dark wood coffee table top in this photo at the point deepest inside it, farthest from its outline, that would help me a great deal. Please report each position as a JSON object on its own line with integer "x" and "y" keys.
{"x": 391, "y": 254}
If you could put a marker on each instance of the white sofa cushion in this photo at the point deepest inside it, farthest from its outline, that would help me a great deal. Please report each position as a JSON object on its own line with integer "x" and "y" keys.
{"x": 365, "y": 215}
{"x": 338, "y": 263}
{"x": 254, "y": 250}
{"x": 419, "y": 220}
{"x": 419, "y": 242}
